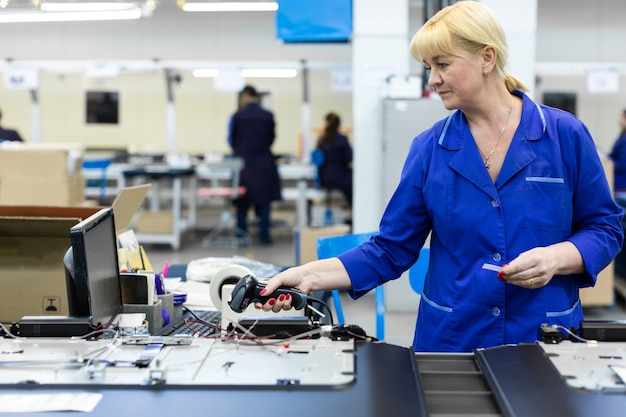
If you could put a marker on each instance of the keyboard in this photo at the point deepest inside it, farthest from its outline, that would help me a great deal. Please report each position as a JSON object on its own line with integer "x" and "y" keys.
{"x": 194, "y": 324}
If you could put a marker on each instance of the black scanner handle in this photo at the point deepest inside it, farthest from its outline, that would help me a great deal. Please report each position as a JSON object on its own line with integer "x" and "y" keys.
{"x": 247, "y": 290}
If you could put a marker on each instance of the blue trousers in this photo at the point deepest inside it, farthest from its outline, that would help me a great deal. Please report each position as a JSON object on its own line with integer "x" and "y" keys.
{"x": 262, "y": 212}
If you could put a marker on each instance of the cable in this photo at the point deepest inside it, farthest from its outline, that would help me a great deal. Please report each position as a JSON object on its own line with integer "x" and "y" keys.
{"x": 197, "y": 333}
{"x": 99, "y": 330}
{"x": 323, "y": 304}
{"x": 346, "y": 332}
{"x": 188, "y": 310}
{"x": 6, "y": 333}
{"x": 575, "y": 336}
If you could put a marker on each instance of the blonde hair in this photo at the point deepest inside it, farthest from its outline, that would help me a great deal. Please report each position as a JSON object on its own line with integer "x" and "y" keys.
{"x": 468, "y": 25}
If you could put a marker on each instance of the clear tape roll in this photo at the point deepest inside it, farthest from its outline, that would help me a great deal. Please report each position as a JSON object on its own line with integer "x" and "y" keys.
{"x": 229, "y": 273}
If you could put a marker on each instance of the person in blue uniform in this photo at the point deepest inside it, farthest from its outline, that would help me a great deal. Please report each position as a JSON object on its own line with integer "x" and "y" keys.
{"x": 252, "y": 133}
{"x": 10, "y": 135}
{"x": 618, "y": 156}
{"x": 512, "y": 193}
{"x": 336, "y": 171}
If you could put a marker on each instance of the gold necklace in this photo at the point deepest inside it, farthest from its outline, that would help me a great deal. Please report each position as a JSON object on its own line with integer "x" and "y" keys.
{"x": 499, "y": 137}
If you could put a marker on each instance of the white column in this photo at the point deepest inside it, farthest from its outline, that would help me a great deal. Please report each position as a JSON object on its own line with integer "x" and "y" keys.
{"x": 307, "y": 146}
{"x": 171, "y": 127}
{"x": 171, "y": 79}
{"x": 35, "y": 117}
{"x": 380, "y": 46}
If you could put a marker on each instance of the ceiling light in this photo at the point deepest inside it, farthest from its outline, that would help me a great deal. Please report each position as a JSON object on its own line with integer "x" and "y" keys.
{"x": 269, "y": 73}
{"x": 228, "y": 6}
{"x": 21, "y": 11}
{"x": 24, "y": 17}
{"x": 85, "y": 7}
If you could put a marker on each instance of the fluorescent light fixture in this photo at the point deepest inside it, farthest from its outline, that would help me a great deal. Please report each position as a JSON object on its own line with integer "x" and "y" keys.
{"x": 205, "y": 73}
{"x": 269, "y": 73}
{"x": 229, "y": 6}
{"x": 24, "y": 17}
{"x": 248, "y": 73}
{"x": 20, "y": 11}
{"x": 85, "y": 7}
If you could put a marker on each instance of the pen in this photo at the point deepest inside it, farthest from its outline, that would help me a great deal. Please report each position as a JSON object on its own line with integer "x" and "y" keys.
{"x": 166, "y": 266}
{"x": 160, "y": 279}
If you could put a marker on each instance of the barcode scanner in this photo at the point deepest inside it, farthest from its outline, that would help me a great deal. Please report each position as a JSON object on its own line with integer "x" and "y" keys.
{"x": 247, "y": 290}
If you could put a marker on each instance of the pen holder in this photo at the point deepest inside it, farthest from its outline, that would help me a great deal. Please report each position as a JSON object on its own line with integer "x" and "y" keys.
{"x": 179, "y": 299}
{"x": 153, "y": 313}
{"x": 168, "y": 305}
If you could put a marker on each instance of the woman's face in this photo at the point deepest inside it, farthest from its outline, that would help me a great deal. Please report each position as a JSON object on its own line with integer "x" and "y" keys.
{"x": 456, "y": 78}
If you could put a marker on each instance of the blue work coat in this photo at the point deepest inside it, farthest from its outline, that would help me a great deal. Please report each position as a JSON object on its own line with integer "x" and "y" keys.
{"x": 252, "y": 134}
{"x": 551, "y": 188}
{"x": 335, "y": 172}
{"x": 618, "y": 156}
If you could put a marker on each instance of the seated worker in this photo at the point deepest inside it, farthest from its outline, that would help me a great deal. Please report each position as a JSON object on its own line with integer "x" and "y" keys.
{"x": 9, "y": 134}
{"x": 336, "y": 171}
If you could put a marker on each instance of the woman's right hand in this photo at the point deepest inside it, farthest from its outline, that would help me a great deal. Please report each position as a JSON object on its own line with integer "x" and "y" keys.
{"x": 290, "y": 278}
{"x": 319, "y": 275}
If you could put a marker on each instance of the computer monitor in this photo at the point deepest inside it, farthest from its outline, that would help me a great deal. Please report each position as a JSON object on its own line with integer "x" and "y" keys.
{"x": 92, "y": 270}
{"x": 102, "y": 107}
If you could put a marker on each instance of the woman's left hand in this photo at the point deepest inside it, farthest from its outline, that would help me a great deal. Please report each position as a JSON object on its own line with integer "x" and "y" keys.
{"x": 531, "y": 269}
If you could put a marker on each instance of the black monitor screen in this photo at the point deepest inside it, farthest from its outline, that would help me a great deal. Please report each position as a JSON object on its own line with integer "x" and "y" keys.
{"x": 102, "y": 107}
{"x": 93, "y": 279}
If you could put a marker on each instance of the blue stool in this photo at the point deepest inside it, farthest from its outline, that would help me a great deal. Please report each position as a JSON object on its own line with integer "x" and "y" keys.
{"x": 102, "y": 165}
{"x": 329, "y": 247}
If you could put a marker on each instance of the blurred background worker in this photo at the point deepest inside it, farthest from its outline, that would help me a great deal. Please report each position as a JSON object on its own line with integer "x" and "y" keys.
{"x": 618, "y": 156}
{"x": 336, "y": 170}
{"x": 252, "y": 133}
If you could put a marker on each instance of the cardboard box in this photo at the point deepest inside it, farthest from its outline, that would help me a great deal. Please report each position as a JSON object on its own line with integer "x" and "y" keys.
{"x": 41, "y": 175}
{"x": 603, "y": 294}
{"x": 33, "y": 241}
{"x": 155, "y": 222}
{"x": 31, "y": 261}
{"x": 305, "y": 240}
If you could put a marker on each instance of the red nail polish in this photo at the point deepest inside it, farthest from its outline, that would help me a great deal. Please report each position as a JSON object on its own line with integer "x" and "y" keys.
{"x": 262, "y": 292}
{"x": 287, "y": 297}
{"x": 281, "y": 297}
{"x": 501, "y": 273}
{"x": 272, "y": 301}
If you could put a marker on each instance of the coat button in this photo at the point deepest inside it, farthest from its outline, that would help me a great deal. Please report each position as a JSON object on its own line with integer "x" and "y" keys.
{"x": 494, "y": 203}
{"x": 495, "y": 311}
{"x": 496, "y": 257}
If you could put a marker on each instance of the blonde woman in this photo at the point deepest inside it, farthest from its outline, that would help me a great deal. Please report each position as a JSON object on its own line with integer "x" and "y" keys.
{"x": 514, "y": 194}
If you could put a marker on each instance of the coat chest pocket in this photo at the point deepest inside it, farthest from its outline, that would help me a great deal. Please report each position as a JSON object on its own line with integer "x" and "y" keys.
{"x": 544, "y": 203}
